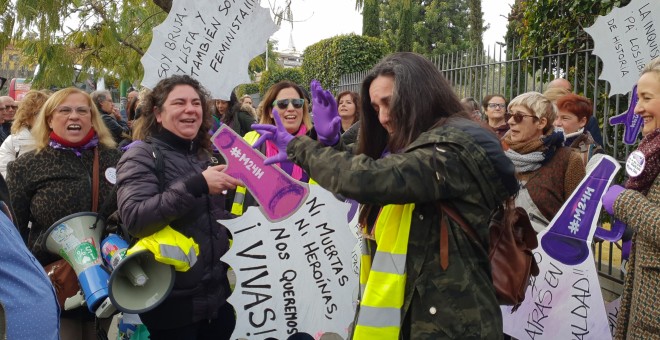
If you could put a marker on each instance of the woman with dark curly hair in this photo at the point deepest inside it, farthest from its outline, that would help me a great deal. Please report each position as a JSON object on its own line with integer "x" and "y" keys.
{"x": 184, "y": 192}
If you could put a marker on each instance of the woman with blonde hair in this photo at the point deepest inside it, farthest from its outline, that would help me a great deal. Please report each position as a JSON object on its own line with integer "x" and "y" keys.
{"x": 21, "y": 141}
{"x": 55, "y": 181}
{"x": 293, "y": 108}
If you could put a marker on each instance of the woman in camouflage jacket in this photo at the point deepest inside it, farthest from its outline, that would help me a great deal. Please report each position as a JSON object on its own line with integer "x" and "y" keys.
{"x": 437, "y": 153}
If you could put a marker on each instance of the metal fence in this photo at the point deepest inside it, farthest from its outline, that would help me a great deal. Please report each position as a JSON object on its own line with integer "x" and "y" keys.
{"x": 497, "y": 70}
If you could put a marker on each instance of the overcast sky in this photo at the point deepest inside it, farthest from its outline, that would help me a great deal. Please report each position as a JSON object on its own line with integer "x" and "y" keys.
{"x": 321, "y": 19}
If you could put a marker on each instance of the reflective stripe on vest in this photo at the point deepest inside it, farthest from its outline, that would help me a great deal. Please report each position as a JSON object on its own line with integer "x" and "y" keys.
{"x": 170, "y": 247}
{"x": 384, "y": 279}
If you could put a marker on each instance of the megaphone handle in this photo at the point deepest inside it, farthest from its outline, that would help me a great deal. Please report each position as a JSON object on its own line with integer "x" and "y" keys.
{"x": 74, "y": 301}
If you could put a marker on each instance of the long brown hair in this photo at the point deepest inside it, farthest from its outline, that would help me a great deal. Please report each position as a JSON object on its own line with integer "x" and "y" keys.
{"x": 269, "y": 97}
{"x": 414, "y": 77}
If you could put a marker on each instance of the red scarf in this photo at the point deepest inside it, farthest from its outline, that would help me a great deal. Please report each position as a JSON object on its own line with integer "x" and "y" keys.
{"x": 68, "y": 144}
{"x": 650, "y": 147}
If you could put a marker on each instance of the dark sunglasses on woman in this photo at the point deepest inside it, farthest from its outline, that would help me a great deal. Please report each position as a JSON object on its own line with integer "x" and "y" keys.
{"x": 517, "y": 117}
{"x": 283, "y": 104}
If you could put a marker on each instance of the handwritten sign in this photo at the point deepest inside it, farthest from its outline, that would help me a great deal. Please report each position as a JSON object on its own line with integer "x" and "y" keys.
{"x": 626, "y": 39}
{"x": 211, "y": 41}
{"x": 612, "y": 310}
{"x": 296, "y": 275}
{"x": 296, "y": 256}
{"x": 565, "y": 301}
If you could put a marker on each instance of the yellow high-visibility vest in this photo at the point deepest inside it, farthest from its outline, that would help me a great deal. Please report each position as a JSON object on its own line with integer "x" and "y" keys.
{"x": 170, "y": 247}
{"x": 383, "y": 281}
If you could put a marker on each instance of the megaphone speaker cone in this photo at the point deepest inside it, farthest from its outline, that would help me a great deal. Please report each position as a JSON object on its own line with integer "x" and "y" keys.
{"x": 139, "y": 283}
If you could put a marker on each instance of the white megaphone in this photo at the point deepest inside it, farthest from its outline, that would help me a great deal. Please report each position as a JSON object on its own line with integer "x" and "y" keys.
{"x": 138, "y": 282}
{"x": 76, "y": 239}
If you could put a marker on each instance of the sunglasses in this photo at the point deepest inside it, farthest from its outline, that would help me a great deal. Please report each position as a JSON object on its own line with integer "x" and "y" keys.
{"x": 517, "y": 117}
{"x": 283, "y": 104}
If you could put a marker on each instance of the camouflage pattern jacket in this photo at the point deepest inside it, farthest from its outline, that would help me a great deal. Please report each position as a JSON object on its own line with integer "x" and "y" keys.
{"x": 459, "y": 162}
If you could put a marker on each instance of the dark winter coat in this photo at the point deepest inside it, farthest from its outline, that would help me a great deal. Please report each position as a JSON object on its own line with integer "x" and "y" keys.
{"x": 54, "y": 183}
{"x": 185, "y": 205}
{"x": 461, "y": 163}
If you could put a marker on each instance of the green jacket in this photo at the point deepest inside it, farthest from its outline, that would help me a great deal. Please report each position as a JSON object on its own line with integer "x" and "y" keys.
{"x": 449, "y": 163}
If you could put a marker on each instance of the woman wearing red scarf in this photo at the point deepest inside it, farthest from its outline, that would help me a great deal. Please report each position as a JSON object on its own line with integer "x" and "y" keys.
{"x": 293, "y": 109}
{"x": 638, "y": 206}
{"x": 55, "y": 180}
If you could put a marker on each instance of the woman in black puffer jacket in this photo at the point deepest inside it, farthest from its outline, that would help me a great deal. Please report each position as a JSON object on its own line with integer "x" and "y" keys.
{"x": 186, "y": 195}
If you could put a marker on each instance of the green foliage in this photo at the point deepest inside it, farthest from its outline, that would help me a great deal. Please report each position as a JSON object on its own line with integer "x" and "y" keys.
{"x": 404, "y": 37}
{"x": 107, "y": 38}
{"x": 250, "y": 88}
{"x": 328, "y": 59}
{"x": 275, "y": 75}
{"x": 438, "y": 26}
{"x": 370, "y": 19}
{"x": 542, "y": 27}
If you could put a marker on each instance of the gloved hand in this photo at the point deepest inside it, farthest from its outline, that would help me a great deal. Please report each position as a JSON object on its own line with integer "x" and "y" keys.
{"x": 610, "y": 196}
{"x": 276, "y": 134}
{"x": 326, "y": 117}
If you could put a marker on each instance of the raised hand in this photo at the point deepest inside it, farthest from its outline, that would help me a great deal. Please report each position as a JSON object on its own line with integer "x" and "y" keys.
{"x": 276, "y": 134}
{"x": 326, "y": 117}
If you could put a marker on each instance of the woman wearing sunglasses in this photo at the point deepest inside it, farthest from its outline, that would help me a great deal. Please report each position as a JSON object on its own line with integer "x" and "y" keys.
{"x": 293, "y": 109}
{"x": 495, "y": 107}
{"x": 548, "y": 172}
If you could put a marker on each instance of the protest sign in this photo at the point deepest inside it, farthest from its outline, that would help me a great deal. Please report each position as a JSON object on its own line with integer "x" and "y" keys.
{"x": 211, "y": 41}
{"x": 612, "y": 310}
{"x": 564, "y": 301}
{"x": 626, "y": 39}
{"x": 296, "y": 257}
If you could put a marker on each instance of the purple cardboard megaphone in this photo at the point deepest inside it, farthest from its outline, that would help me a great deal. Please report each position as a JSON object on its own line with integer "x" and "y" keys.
{"x": 568, "y": 235}
{"x": 632, "y": 123}
{"x": 278, "y": 194}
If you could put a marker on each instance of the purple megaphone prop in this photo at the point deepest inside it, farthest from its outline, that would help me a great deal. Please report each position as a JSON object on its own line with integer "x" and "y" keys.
{"x": 632, "y": 123}
{"x": 278, "y": 194}
{"x": 569, "y": 234}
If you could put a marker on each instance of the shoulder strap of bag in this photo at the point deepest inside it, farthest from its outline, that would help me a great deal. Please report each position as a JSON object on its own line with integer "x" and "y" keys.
{"x": 95, "y": 181}
{"x": 448, "y": 211}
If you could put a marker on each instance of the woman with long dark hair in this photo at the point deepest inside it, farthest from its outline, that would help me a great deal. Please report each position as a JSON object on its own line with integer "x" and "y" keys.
{"x": 411, "y": 154}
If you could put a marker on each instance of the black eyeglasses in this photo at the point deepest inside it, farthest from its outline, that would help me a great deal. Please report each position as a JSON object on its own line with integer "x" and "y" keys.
{"x": 283, "y": 104}
{"x": 12, "y": 106}
{"x": 517, "y": 117}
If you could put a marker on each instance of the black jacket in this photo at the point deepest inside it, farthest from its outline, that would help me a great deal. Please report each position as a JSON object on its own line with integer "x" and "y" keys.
{"x": 186, "y": 206}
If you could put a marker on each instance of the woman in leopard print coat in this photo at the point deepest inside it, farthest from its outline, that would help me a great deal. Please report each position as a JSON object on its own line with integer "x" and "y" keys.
{"x": 55, "y": 180}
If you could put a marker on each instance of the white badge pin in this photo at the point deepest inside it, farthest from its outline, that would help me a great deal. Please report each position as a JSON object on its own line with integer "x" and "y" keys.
{"x": 635, "y": 163}
{"x": 111, "y": 175}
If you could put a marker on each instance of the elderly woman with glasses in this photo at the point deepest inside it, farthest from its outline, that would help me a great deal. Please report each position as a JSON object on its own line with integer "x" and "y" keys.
{"x": 495, "y": 107}
{"x": 548, "y": 172}
{"x": 289, "y": 99}
{"x": 55, "y": 180}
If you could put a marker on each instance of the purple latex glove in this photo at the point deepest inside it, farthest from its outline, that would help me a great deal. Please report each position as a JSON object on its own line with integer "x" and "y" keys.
{"x": 610, "y": 196}
{"x": 326, "y": 116}
{"x": 276, "y": 134}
